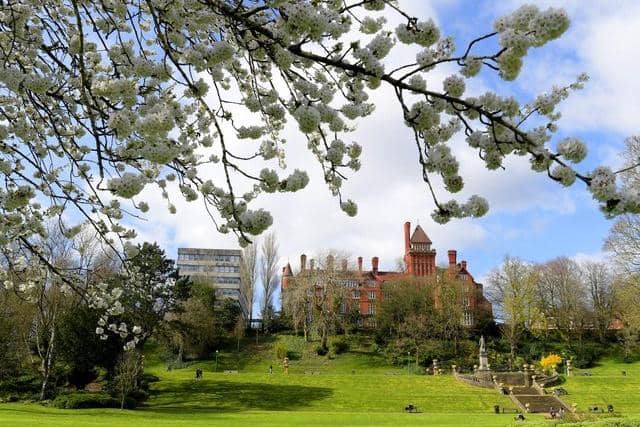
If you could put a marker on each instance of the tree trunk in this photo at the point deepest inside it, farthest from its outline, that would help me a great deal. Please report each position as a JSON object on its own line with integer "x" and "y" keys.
{"x": 512, "y": 356}
{"x": 46, "y": 363}
{"x": 324, "y": 337}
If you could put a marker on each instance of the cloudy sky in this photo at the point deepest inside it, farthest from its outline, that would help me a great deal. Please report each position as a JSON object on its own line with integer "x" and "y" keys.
{"x": 530, "y": 217}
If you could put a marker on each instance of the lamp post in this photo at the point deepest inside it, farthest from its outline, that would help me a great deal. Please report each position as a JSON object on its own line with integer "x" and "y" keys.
{"x": 408, "y": 362}
{"x": 216, "y": 360}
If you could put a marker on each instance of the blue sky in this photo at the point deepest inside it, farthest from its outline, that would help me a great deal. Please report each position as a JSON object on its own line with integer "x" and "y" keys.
{"x": 530, "y": 217}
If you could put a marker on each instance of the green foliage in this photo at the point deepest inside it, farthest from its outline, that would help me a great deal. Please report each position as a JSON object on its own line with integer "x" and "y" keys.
{"x": 281, "y": 351}
{"x": 139, "y": 395}
{"x": 586, "y": 354}
{"x": 84, "y": 400}
{"x": 10, "y": 352}
{"x": 154, "y": 267}
{"x": 228, "y": 315}
{"x": 339, "y": 345}
{"x": 81, "y": 349}
{"x": 148, "y": 379}
{"x": 20, "y": 385}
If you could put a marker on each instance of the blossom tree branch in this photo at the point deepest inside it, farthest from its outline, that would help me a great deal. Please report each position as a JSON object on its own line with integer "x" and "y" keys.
{"x": 102, "y": 100}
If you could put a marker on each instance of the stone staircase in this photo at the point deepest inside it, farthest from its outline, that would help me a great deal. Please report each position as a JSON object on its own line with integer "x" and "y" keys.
{"x": 531, "y": 399}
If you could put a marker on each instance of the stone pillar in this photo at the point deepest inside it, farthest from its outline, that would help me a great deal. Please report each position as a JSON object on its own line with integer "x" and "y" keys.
{"x": 527, "y": 375}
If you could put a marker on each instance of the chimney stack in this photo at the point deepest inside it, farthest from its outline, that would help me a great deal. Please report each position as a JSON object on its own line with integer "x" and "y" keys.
{"x": 303, "y": 262}
{"x": 407, "y": 237}
{"x": 312, "y": 264}
{"x": 452, "y": 257}
{"x": 344, "y": 264}
{"x": 463, "y": 264}
{"x": 360, "y": 264}
{"x": 374, "y": 264}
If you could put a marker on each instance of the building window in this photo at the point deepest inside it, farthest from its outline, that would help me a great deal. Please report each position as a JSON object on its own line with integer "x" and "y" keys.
{"x": 468, "y": 319}
{"x": 356, "y": 294}
{"x": 371, "y": 310}
{"x": 372, "y": 295}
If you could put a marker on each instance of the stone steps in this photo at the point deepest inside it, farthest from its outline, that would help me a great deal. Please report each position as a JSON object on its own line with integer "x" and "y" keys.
{"x": 540, "y": 403}
{"x": 527, "y": 391}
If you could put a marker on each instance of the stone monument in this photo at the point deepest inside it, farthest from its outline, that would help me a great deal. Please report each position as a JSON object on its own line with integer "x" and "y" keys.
{"x": 484, "y": 361}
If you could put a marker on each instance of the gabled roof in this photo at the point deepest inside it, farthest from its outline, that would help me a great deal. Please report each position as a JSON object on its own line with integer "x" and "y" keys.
{"x": 287, "y": 270}
{"x": 419, "y": 236}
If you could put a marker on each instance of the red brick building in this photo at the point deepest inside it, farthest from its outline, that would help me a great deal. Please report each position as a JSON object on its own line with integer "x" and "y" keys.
{"x": 419, "y": 261}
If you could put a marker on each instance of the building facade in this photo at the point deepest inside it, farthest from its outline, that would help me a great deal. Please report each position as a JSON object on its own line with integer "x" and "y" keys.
{"x": 218, "y": 267}
{"x": 419, "y": 261}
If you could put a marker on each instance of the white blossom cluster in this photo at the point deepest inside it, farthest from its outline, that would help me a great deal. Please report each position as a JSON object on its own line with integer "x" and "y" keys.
{"x": 93, "y": 114}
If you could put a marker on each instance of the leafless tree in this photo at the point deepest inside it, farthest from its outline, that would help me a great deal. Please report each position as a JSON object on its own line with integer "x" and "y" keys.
{"x": 296, "y": 300}
{"x": 269, "y": 273}
{"x": 624, "y": 238}
{"x": 512, "y": 290}
{"x": 128, "y": 371}
{"x": 562, "y": 297}
{"x": 598, "y": 279}
{"x": 248, "y": 276}
{"x": 319, "y": 297}
{"x": 627, "y": 308}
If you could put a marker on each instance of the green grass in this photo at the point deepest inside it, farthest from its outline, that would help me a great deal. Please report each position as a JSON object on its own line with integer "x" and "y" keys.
{"x": 354, "y": 389}
{"x": 606, "y": 386}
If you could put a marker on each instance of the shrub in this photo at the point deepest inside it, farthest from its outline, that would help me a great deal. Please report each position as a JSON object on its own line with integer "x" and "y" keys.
{"x": 550, "y": 362}
{"x": 321, "y": 351}
{"x": 339, "y": 345}
{"x": 83, "y": 400}
{"x": 281, "y": 351}
{"x": 139, "y": 395}
{"x": 587, "y": 354}
{"x": 148, "y": 379}
{"x": 21, "y": 384}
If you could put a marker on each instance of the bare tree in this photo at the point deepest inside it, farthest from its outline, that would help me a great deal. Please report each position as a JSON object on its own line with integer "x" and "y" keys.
{"x": 562, "y": 297}
{"x": 248, "y": 276}
{"x": 269, "y": 274}
{"x": 627, "y": 308}
{"x": 128, "y": 370}
{"x": 624, "y": 237}
{"x": 512, "y": 290}
{"x": 318, "y": 299}
{"x": 598, "y": 280}
{"x": 624, "y": 242}
{"x": 296, "y": 300}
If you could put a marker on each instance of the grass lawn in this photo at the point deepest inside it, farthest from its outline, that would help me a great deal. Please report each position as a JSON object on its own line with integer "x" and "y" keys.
{"x": 354, "y": 389}
{"x": 606, "y": 385}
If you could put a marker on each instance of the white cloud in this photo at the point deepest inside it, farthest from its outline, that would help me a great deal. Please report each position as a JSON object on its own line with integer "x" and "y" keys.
{"x": 389, "y": 188}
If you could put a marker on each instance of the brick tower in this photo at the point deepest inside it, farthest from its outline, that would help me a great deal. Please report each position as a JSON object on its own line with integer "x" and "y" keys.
{"x": 419, "y": 258}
